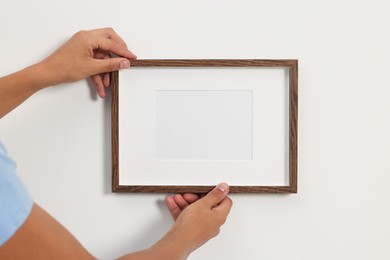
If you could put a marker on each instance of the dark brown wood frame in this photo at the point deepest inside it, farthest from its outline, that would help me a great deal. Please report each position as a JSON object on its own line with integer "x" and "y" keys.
{"x": 292, "y": 65}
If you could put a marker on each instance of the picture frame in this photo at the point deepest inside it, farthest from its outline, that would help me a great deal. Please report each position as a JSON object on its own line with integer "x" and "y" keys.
{"x": 224, "y": 68}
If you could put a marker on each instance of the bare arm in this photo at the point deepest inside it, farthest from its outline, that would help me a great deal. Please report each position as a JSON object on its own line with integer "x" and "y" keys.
{"x": 42, "y": 237}
{"x": 86, "y": 54}
{"x": 17, "y": 87}
{"x": 195, "y": 224}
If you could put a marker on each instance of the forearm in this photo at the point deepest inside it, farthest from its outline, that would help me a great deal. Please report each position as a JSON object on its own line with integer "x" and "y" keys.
{"x": 17, "y": 87}
{"x": 172, "y": 246}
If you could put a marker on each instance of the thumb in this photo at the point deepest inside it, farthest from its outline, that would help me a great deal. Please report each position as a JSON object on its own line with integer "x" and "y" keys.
{"x": 216, "y": 195}
{"x": 108, "y": 65}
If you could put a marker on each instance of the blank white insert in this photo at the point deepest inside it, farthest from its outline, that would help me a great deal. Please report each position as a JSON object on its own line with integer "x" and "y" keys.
{"x": 203, "y": 125}
{"x": 150, "y": 153}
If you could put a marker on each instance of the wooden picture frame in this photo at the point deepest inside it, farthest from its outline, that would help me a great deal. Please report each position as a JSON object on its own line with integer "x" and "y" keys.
{"x": 290, "y": 65}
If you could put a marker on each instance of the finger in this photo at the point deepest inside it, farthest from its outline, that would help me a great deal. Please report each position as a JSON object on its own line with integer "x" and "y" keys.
{"x": 108, "y": 65}
{"x": 106, "y": 44}
{"x": 224, "y": 207}
{"x": 111, "y": 34}
{"x": 99, "y": 54}
{"x": 106, "y": 79}
{"x": 216, "y": 195}
{"x": 97, "y": 80}
{"x": 180, "y": 201}
{"x": 190, "y": 197}
{"x": 173, "y": 207}
{"x": 114, "y": 36}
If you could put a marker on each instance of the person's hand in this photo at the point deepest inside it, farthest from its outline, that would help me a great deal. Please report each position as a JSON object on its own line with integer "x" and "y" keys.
{"x": 178, "y": 202}
{"x": 199, "y": 222}
{"x": 88, "y": 53}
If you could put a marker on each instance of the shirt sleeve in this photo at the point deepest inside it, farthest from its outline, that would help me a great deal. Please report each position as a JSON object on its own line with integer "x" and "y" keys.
{"x": 15, "y": 202}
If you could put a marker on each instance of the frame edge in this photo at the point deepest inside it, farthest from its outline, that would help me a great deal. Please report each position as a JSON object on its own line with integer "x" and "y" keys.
{"x": 291, "y": 64}
{"x": 115, "y": 131}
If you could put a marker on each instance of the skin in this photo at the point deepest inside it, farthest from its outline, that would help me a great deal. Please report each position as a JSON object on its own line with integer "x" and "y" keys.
{"x": 88, "y": 54}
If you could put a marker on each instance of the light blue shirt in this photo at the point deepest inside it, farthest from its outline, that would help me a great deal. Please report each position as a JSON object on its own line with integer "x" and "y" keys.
{"x": 15, "y": 202}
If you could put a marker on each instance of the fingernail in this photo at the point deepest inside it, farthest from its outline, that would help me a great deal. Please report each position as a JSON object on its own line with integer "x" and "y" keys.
{"x": 124, "y": 64}
{"x": 223, "y": 187}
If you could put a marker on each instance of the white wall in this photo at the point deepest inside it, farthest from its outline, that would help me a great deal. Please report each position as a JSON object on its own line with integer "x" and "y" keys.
{"x": 61, "y": 137}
